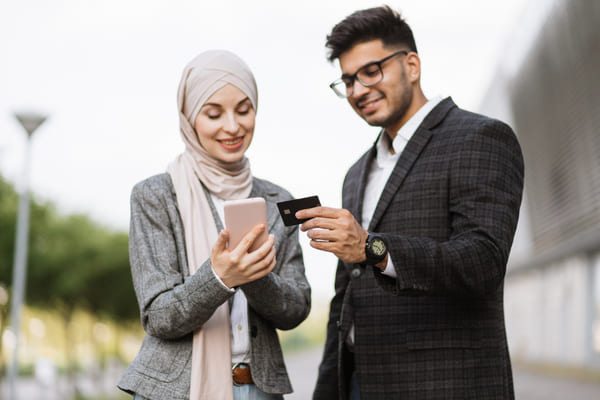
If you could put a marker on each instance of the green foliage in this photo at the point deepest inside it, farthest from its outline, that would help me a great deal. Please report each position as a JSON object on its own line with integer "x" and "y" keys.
{"x": 8, "y": 222}
{"x": 73, "y": 262}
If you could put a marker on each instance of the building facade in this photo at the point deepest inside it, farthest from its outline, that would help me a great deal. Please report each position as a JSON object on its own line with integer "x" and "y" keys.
{"x": 549, "y": 91}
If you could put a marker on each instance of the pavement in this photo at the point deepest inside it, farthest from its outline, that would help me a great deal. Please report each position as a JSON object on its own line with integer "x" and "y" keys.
{"x": 303, "y": 367}
{"x": 529, "y": 385}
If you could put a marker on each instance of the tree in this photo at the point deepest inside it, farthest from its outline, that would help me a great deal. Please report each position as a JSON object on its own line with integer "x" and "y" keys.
{"x": 74, "y": 263}
{"x": 8, "y": 220}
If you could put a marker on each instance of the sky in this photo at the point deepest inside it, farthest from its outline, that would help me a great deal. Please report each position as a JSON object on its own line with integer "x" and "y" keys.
{"x": 106, "y": 74}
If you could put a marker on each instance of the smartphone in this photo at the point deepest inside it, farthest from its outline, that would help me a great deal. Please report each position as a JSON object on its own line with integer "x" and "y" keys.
{"x": 241, "y": 216}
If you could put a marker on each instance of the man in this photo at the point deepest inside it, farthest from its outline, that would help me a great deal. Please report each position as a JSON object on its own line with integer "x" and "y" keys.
{"x": 429, "y": 214}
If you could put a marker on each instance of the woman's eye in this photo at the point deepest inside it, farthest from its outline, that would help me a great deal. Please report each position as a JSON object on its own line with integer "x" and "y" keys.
{"x": 213, "y": 116}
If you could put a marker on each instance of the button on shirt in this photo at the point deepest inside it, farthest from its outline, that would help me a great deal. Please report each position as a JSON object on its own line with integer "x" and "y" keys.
{"x": 383, "y": 165}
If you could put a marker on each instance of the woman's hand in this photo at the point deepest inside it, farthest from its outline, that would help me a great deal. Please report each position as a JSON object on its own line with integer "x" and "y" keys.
{"x": 237, "y": 266}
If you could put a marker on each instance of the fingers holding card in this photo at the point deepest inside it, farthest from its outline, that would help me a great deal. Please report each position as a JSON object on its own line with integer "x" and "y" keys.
{"x": 288, "y": 209}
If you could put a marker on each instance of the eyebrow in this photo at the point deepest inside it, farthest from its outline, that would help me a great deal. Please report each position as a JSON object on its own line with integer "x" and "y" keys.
{"x": 221, "y": 106}
{"x": 359, "y": 68}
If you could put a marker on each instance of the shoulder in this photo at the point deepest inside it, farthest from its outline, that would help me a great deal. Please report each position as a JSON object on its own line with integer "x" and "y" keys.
{"x": 156, "y": 186}
{"x": 460, "y": 119}
{"x": 270, "y": 190}
{"x": 460, "y": 125}
{"x": 157, "y": 182}
{"x": 470, "y": 135}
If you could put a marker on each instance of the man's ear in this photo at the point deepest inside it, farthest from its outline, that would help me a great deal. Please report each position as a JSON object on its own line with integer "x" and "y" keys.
{"x": 413, "y": 70}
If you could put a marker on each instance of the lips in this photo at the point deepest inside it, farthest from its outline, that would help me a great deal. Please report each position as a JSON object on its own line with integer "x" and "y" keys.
{"x": 231, "y": 144}
{"x": 369, "y": 105}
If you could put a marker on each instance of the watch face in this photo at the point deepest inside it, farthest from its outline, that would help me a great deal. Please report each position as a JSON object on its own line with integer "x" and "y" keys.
{"x": 378, "y": 246}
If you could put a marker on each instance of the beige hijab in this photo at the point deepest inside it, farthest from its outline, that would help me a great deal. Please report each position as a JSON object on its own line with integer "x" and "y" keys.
{"x": 203, "y": 76}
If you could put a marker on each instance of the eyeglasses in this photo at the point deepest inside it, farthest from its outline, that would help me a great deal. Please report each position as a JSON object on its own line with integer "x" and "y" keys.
{"x": 367, "y": 75}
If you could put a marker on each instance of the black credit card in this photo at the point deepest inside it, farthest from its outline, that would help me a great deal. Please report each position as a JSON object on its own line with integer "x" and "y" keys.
{"x": 288, "y": 209}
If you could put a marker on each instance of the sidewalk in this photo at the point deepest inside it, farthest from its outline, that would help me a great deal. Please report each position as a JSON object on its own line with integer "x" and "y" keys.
{"x": 303, "y": 366}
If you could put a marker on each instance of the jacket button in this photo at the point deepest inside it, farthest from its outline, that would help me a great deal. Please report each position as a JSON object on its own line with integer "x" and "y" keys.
{"x": 253, "y": 331}
{"x": 355, "y": 273}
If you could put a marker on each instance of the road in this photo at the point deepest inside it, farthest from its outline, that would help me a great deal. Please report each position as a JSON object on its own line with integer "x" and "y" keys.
{"x": 302, "y": 367}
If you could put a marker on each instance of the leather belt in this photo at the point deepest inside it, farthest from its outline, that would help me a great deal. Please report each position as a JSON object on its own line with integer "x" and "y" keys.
{"x": 240, "y": 373}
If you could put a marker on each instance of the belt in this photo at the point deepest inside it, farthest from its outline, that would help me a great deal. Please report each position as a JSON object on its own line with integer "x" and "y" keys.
{"x": 240, "y": 373}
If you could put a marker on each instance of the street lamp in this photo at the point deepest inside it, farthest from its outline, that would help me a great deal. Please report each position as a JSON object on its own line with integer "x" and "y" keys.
{"x": 30, "y": 122}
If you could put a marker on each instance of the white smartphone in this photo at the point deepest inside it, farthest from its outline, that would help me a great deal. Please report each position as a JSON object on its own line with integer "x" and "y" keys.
{"x": 241, "y": 216}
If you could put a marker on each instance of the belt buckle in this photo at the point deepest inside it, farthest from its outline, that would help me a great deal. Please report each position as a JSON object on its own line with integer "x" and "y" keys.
{"x": 236, "y": 365}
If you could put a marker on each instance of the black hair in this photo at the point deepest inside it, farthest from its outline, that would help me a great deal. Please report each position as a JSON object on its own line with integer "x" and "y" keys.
{"x": 370, "y": 24}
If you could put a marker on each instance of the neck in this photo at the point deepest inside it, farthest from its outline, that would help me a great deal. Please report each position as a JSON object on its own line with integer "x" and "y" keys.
{"x": 417, "y": 102}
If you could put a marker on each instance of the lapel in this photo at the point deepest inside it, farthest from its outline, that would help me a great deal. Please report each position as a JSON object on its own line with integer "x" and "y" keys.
{"x": 411, "y": 153}
{"x": 356, "y": 206}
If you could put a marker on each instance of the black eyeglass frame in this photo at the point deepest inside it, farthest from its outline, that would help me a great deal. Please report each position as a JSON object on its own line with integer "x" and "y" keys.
{"x": 354, "y": 77}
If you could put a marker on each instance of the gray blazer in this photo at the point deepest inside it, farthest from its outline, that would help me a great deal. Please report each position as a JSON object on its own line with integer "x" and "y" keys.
{"x": 448, "y": 214}
{"x": 174, "y": 304}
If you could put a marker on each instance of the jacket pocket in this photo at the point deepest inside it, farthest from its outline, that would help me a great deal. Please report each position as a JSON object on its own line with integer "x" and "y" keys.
{"x": 163, "y": 360}
{"x": 443, "y": 337}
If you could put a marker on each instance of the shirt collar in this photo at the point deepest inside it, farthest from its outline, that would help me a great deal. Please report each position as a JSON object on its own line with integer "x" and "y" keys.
{"x": 407, "y": 131}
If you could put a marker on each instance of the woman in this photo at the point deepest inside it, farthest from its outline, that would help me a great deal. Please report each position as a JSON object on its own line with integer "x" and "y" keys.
{"x": 209, "y": 310}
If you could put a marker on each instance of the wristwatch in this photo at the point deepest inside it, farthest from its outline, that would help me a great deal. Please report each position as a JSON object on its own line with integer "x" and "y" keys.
{"x": 375, "y": 249}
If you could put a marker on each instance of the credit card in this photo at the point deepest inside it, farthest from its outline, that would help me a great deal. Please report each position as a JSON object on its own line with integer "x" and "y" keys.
{"x": 288, "y": 209}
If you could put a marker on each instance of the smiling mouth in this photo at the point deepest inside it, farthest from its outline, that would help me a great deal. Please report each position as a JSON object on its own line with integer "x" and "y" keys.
{"x": 231, "y": 142}
{"x": 368, "y": 104}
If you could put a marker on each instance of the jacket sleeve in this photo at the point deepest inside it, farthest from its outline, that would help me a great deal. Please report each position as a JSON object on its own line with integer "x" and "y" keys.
{"x": 172, "y": 303}
{"x": 283, "y": 296}
{"x": 485, "y": 181}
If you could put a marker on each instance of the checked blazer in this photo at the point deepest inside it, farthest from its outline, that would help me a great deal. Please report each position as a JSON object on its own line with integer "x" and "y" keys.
{"x": 448, "y": 215}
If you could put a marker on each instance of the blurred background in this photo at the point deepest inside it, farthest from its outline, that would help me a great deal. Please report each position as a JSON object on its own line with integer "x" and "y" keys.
{"x": 88, "y": 108}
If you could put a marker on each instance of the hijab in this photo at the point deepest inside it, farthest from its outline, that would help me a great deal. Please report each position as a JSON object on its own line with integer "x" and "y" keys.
{"x": 202, "y": 77}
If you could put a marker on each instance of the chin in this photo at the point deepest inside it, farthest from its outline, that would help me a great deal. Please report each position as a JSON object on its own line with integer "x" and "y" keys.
{"x": 232, "y": 158}
{"x": 375, "y": 121}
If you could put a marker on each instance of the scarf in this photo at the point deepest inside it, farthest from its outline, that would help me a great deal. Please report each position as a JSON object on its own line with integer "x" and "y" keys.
{"x": 201, "y": 78}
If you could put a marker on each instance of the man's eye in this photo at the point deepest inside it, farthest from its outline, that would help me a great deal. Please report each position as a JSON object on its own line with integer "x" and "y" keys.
{"x": 370, "y": 70}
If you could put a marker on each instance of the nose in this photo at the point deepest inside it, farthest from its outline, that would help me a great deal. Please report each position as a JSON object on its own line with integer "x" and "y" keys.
{"x": 231, "y": 124}
{"x": 358, "y": 89}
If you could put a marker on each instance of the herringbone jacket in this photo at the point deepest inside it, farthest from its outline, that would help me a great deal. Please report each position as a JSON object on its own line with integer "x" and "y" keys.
{"x": 173, "y": 304}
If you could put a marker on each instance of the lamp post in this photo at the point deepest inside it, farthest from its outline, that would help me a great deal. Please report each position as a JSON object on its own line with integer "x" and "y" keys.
{"x": 30, "y": 122}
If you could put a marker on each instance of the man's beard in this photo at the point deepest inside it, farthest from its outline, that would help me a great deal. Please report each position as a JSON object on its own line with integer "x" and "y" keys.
{"x": 400, "y": 109}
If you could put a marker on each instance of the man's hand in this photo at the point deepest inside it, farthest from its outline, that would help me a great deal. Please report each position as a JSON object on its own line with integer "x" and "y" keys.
{"x": 236, "y": 266}
{"x": 339, "y": 232}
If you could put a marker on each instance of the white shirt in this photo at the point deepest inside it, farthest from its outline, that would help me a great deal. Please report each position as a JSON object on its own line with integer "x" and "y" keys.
{"x": 384, "y": 163}
{"x": 240, "y": 340}
{"x": 380, "y": 172}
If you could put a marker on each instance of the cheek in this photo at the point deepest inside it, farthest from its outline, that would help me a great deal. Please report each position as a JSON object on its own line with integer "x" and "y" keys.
{"x": 205, "y": 130}
{"x": 204, "y": 140}
{"x": 248, "y": 122}
{"x": 249, "y": 127}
